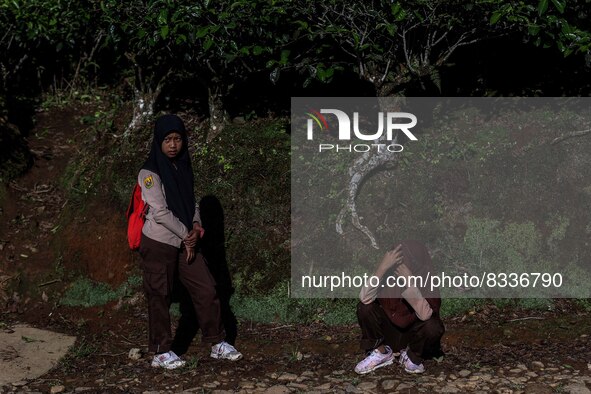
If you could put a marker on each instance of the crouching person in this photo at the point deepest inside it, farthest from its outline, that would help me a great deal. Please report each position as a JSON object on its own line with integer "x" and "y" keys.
{"x": 403, "y": 320}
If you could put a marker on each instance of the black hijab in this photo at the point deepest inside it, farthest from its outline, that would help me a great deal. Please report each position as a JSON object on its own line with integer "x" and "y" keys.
{"x": 176, "y": 175}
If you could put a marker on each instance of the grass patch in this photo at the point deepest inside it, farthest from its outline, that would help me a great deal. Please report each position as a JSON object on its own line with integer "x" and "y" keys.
{"x": 81, "y": 349}
{"x": 539, "y": 304}
{"x": 584, "y": 303}
{"x": 85, "y": 292}
{"x": 278, "y": 307}
{"x": 175, "y": 310}
{"x": 192, "y": 363}
{"x": 458, "y": 306}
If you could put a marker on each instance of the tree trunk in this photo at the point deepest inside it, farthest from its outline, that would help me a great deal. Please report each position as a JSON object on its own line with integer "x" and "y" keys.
{"x": 218, "y": 117}
{"x": 144, "y": 98}
{"x": 358, "y": 171}
{"x": 143, "y": 110}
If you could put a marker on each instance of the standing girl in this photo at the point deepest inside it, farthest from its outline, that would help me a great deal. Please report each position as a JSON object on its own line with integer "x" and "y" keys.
{"x": 167, "y": 247}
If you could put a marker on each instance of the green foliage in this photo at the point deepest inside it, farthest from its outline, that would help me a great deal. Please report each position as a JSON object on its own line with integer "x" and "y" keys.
{"x": 139, "y": 36}
{"x": 542, "y": 304}
{"x": 559, "y": 225}
{"x": 457, "y": 306}
{"x": 79, "y": 179}
{"x": 510, "y": 248}
{"x": 82, "y": 348}
{"x": 584, "y": 303}
{"x": 247, "y": 169}
{"x": 219, "y": 42}
{"x": 46, "y": 41}
{"x": 563, "y": 24}
{"x": 106, "y": 164}
{"x": 85, "y": 292}
{"x": 388, "y": 44}
{"x": 574, "y": 278}
{"x": 451, "y": 307}
{"x": 175, "y": 310}
{"x": 278, "y": 307}
{"x": 336, "y": 312}
{"x": 192, "y": 363}
{"x": 130, "y": 286}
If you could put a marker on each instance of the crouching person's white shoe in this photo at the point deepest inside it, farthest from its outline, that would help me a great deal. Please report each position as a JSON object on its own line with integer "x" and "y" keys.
{"x": 408, "y": 365}
{"x": 226, "y": 351}
{"x": 375, "y": 360}
{"x": 168, "y": 360}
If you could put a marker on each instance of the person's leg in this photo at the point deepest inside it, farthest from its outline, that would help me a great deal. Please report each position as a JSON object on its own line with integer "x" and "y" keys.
{"x": 425, "y": 339}
{"x": 158, "y": 262}
{"x": 188, "y": 324}
{"x": 201, "y": 287}
{"x": 374, "y": 330}
{"x": 377, "y": 329}
{"x": 200, "y": 284}
{"x": 228, "y": 318}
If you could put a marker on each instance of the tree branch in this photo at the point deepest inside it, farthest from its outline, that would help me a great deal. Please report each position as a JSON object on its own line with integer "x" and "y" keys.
{"x": 386, "y": 71}
{"x": 406, "y": 54}
{"x": 570, "y": 135}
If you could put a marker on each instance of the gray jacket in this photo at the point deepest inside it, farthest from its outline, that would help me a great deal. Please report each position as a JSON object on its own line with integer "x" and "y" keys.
{"x": 161, "y": 225}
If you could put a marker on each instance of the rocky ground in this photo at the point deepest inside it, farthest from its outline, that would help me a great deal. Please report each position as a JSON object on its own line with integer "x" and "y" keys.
{"x": 520, "y": 379}
{"x": 488, "y": 351}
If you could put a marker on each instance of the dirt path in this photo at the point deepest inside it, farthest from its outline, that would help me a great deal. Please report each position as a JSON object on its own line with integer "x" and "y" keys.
{"x": 29, "y": 216}
{"x": 46, "y": 238}
{"x": 543, "y": 353}
{"x": 490, "y": 350}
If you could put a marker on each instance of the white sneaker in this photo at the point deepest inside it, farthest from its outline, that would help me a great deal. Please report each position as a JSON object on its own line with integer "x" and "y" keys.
{"x": 168, "y": 360}
{"x": 408, "y": 365}
{"x": 375, "y": 360}
{"x": 225, "y": 350}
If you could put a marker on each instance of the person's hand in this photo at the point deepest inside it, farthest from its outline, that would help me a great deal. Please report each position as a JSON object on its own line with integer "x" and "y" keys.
{"x": 200, "y": 230}
{"x": 403, "y": 270}
{"x": 194, "y": 235}
{"x": 190, "y": 253}
{"x": 191, "y": 239}
{"x": 391, "y": 258}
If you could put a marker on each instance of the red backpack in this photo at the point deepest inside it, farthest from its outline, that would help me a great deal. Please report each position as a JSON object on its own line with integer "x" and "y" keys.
{"x": 136, "y": 216}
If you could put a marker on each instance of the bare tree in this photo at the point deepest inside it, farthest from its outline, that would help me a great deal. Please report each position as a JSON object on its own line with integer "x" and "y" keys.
{"x": 390, "y": 46}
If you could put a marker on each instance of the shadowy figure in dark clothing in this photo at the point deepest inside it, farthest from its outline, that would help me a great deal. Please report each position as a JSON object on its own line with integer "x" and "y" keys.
{"x": 213, "y": 248}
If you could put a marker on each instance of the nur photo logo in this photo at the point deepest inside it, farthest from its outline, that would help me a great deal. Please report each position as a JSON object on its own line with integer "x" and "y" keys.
{"x": 389, "y": 123}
